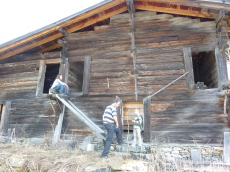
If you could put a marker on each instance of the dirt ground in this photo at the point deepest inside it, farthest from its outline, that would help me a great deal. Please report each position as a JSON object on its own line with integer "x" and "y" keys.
{"x": 14, "y": 157}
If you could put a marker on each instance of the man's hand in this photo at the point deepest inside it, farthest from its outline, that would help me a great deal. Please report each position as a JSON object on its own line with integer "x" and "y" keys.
{"x": 117, "y": 125}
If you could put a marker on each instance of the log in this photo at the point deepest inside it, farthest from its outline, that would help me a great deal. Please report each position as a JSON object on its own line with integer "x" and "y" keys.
{"x": 41, "y": 78}
{"x": 86, "y": 75}
{"x": 5, "y": 118}
{"x": 147, "y": 119}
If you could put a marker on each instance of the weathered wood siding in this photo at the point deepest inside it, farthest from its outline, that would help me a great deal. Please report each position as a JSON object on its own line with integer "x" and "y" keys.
{"x": 30, "y": 116}
{"x": 75, "y": 78}
{"x": 159, "y": 43}
{"x": 176, "y": 115}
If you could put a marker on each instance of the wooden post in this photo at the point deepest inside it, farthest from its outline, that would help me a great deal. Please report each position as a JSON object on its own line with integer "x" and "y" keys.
{"x": 221, "y": 67}
{"x": 41, "y": 78}
{"x": 228, "y": 106}
{"x": 130, "y": 5}
{"x": 5, "y": 118}
{"x": 57, "y": 132}
{"x": 227, "y": 147}
{"x": 133, "y": 48}
{"x": 86, "y": 76}
{"x": 120, "y": 117}
{"x": 64, "y": 71}
{"x": 189, "y": 68}
{"x": 147, "y": 119}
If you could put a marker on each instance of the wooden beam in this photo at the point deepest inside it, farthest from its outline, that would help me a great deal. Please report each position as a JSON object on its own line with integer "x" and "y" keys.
{"x": 5, "y": 118}
{"x": 131, "y": 7}
{"x": 52, "y": 47}
{"x": 133, "y": 52}
{"x": 66, "y": 74}
{"x": 220, "y": 17}
{"x": 64, "y": 33}
{"x": 120, "y": 117}
{"x": 189, "y": 68}
{"x": 196, "y": 3}
{"x": 86, "y": 76}
{"x": 169, "y": 9}
{"x": 66, "y": 23}
{"x": 147, "y": 119}
{"x": 58, "y": 127}
{"x": 221, "y": 65}
{"x": 59, "y": 35}
{"x": 62, "y": 44}
{"x": 228, "y": 104}
{"x": 226, "y": 85}
{"x": 30, "y": 46}
{"x": 41, "y": 78}
{"x": 95, "y": 20}
{"x": 52, "y": 61}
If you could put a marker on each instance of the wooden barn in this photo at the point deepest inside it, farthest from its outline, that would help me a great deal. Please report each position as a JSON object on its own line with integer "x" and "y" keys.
{"x": 130, "y": 49}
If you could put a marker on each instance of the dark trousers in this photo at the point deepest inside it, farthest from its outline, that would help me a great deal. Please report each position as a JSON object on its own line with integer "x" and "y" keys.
{"x": 111, "y": 128}
{"x": 60, "y": 88}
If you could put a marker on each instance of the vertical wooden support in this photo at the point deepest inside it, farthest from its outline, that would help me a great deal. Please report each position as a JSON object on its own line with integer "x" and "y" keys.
{"x": 227, "y": 147}
{"x": 221, "y": 67}
{"x": 57, "y": 132}
{"x": 228, "y": 106}
{"x": 5, "y": 118}
{"x": 120, "y": 117}
{"x": 147, "y": 119}
{"x": 41, "y": 78}
{"x": 86, "y": 76}
{"x": 189, "y": 68}
{"x": 133, "y": 51}
{"x": 64, "y": 71}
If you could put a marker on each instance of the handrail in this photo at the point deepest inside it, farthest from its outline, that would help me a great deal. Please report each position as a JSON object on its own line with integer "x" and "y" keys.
{"x": 167, "y": 85}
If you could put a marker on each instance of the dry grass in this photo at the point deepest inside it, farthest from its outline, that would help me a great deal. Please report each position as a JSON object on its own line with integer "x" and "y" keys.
{"x": 42, "y": 158}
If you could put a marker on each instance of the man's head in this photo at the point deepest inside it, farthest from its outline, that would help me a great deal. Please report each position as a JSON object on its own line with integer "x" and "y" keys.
{"x": 117, "y": 102}
{"x": 59, "y": 77}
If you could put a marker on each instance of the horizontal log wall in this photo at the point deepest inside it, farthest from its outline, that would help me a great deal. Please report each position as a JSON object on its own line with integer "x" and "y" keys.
{"x": 159, "y": 43}
{"x": 30, "y": 116}
{"x": 75, "y": 78}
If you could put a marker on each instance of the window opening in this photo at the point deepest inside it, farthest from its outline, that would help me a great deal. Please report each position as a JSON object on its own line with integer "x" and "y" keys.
{"x": 204, "y": 68}
{"x": 52, "y": 70}
{"x": 128, "y": 114}
{"x": 75, "y": 80}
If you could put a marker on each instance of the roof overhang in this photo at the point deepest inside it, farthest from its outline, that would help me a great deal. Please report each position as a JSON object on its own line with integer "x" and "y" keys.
{"x": 46, "y": 38}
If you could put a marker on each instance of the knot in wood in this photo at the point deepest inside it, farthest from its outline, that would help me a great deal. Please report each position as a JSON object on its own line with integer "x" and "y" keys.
{"x": 134, "y": 72}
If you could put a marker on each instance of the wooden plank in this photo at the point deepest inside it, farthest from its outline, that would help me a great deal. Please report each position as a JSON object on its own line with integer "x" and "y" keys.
{"x": 169, "y": 9}
{"x": 120, "y": 117}
{"x": 130, "y": 5}
{"x": 189, "y": 68}
{"x": 147, "y": 119}
{"x": 212, "y": 4}
{"x": 58, "y": 127}
{"x": 41, "y": 78}
{"x": 5, "y": 118}
{"x": 86, "y": 75}
{"x": 66, "y": 72}
{"x": 221, "y": 65}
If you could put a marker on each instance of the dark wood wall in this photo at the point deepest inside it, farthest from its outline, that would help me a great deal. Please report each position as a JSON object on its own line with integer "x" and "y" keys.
{"x": 75, "y": 78}
{"x": 160, "y": 38}
{"x": 31, "y": 116}
{"x": 177, "y": 115}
